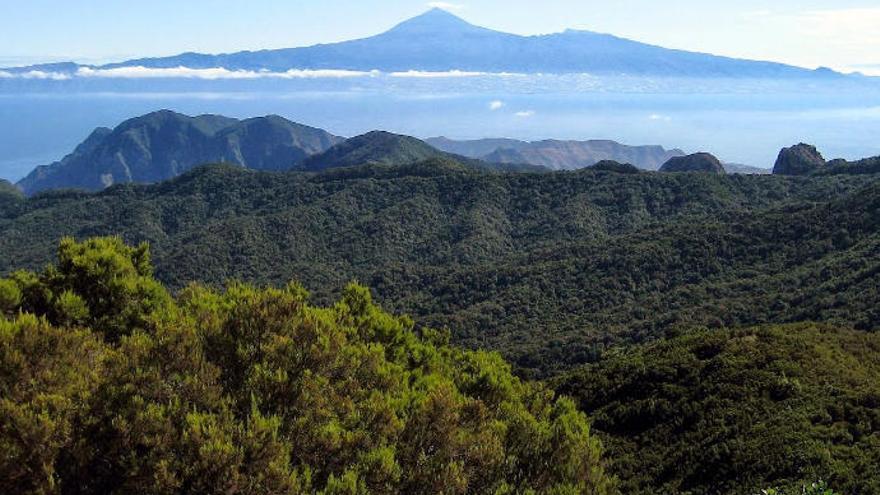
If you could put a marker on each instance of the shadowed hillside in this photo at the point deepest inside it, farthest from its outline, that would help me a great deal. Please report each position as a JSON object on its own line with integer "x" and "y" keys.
{"x": 548, "y": 268}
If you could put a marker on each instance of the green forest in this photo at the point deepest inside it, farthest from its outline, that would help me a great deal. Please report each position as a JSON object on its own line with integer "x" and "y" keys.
{"x": 108, "y": 384}
{"x": 549, "y": 269}
{"x": 597, "y": 331}
{"x": 713, "y": 411}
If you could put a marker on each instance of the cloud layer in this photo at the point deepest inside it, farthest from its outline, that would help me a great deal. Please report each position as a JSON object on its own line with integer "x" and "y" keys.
{"x": 215, "y": 73}
{"x": 220, "y": 73}
{"x": 35, "y": 74}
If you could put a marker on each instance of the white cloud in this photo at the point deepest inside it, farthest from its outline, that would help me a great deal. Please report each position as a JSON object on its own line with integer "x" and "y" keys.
{"x": 496, "y": 105}
{"x": 139, "y": 72}
{"x": 445, "y": 6}
{"x": 658, "y": 117}
{"x": 221, "y": 73}
{"x": 525, "y": 114}
{"x": 35, "y": 74}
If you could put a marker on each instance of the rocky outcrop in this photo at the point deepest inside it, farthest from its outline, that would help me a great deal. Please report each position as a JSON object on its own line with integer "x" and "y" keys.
{"x": 698, "y": 162}
{"x": 801, "y": 159}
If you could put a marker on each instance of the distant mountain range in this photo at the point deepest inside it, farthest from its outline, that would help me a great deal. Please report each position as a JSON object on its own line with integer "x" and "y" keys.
{"x": 386, "y": 148}
{"x": 164, "y": 144}
{"x": 439, "y": 41}
{"x": 555, "y": 154}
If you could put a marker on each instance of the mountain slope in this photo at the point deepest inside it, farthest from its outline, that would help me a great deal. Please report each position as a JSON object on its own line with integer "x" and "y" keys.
{"x": 557, "y": 154}
{"x": 385, "y": 148}
{"x": 548, "y": 268}
{"x": 440, "y": 41}
{"x": 8, "y": 189}
{"x": 10, "y": 197}
{"x": 377, "y": 148}
{"x": 731, "y": 411}
{"x": 271, "y": 143}
{"x": 164, "y": 144}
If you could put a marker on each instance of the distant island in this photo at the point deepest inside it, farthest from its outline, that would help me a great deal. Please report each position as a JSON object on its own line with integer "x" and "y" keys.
{"x": 438, "y": 41}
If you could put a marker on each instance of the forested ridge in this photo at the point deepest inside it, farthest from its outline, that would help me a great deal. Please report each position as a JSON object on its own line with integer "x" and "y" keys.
{"x": 716, "y": 330}
{"x": 548, "y": 268}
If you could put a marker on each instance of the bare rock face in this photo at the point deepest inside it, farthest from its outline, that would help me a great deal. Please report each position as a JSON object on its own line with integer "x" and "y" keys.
{"x": 698, "y": 162}
{"x": 801, "y": 159}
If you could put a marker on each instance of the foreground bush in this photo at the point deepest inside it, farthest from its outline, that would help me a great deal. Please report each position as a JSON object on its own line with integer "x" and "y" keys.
{"x": 108, "y": 385}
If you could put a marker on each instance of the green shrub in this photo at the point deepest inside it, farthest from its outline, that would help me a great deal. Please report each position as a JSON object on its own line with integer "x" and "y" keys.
{"x": 117, "y": 388}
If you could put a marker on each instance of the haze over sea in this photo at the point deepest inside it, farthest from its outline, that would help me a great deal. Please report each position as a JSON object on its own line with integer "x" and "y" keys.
{"x": 43, "y": 122}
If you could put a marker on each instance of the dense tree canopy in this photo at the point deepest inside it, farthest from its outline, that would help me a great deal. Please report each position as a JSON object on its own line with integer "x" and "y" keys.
{"x": 108, "y": 385}
{"x": 728, "y": 411}
{"x": 550, "y": 269}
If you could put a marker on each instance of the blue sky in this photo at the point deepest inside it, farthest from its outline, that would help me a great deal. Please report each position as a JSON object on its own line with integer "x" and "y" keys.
{"x": 838, "y": 33}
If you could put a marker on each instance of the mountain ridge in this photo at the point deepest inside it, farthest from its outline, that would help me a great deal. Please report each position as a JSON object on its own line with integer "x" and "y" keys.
{"x": 390, "y": 149}
{"x": 163, "y": 144}
{"x": 374, "y": 147}
{"x": 600, "y": 256}
{"x": 557, "y": 154}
